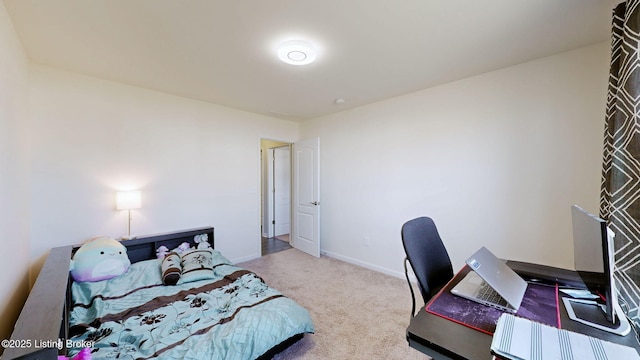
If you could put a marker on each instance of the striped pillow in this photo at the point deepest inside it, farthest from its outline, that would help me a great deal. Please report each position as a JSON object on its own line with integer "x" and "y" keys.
{"x": 171, "y": 269}
{"x": 197, "y": 264}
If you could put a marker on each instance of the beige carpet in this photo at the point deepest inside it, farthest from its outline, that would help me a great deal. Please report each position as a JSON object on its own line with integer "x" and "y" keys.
{"x": 358, "y": 313}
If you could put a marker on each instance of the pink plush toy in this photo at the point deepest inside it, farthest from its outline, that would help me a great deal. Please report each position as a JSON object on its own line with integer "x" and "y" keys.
{"x": 161, "y": 252}
{"x": 182, "y": 248}
{"x": 84, "y": 354}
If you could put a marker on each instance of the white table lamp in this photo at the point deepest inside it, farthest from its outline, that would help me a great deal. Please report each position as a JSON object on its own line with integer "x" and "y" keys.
{"x": 127, "y": 200}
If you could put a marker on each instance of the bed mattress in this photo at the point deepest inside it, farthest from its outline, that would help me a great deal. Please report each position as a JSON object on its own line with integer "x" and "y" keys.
{"x": 233, "y": 315}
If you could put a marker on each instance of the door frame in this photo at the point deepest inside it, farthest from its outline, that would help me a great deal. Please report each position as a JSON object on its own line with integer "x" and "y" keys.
{"x": 263, "y": 193}
{"x": 267, "y": 196}
{"x": 280, "y": 194}
{"x": 271, "y": 190}
{"x": 261, "y": 186}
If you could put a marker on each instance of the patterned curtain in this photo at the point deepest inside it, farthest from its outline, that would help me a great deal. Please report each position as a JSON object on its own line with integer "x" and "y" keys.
{"x": 620, "y": 194}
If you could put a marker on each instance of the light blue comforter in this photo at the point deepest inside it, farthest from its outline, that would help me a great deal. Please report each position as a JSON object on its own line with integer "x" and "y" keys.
{"x": 235, "y": 315}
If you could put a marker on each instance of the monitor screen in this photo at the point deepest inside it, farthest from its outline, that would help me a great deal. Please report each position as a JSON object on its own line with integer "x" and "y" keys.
{"x": 593, "y": 257}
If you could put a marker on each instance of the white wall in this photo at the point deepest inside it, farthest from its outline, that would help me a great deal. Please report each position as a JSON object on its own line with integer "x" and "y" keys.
{"x": 495, "y": 160}
{"x": 14, "y": 175}
{"x": 196, "y": 164}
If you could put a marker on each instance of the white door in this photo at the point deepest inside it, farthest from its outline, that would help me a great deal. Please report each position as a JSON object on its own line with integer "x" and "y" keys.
{"x": 306, "y": 196}
{"x": 282, "y": 189}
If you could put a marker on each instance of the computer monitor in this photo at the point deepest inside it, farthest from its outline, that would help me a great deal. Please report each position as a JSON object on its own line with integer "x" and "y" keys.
{"x": 594, "y": 262}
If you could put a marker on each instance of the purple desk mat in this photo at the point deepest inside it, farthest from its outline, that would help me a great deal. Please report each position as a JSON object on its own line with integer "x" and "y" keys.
{"x": 540, "y": 304}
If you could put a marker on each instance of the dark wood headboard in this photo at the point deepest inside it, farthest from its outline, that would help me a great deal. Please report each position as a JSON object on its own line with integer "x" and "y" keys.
{"x": 44, "y": 317}
{"x": 144, "y": 247}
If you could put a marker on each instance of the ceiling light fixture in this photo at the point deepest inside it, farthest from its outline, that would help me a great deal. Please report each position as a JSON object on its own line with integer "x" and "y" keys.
{"x": 297, "y": 52}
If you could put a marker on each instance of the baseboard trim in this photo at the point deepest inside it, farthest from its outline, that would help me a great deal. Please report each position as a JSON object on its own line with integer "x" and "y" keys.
{"x": 245, "y": 258}
{"x": 363, "y": 264}
{"x": 347, "y": 259}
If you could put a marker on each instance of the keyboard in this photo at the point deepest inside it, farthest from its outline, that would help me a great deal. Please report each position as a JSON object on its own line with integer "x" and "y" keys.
{"x": 487, "y": 293}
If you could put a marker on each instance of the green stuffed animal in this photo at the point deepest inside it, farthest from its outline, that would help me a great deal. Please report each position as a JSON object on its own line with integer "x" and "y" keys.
{"x": 100, "y": 258}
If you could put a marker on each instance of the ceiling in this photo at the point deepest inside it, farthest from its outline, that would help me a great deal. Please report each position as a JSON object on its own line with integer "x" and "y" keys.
{"x": 224, "y": 51}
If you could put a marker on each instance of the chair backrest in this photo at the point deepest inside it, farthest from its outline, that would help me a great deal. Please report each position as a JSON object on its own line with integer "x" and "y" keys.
{"x": 427, "y": 255}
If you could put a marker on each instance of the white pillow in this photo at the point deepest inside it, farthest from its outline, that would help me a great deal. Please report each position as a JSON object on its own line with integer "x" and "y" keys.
{"x": 197, "y": 264}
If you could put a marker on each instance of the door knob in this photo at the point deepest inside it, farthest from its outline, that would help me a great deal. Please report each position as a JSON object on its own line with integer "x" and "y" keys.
{"x": 316, "y": 203}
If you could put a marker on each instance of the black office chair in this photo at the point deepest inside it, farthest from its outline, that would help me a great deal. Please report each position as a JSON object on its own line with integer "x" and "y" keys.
{"x": 428, "y": 258}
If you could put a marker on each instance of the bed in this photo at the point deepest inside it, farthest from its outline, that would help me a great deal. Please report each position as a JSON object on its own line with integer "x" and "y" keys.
{"x": 232, "y": 314}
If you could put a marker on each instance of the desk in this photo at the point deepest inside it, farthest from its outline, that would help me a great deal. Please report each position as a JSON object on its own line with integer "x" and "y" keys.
{"x": 444, "y": 339}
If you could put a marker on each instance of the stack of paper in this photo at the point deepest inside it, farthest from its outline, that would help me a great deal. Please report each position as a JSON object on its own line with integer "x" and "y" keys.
{"x": 518, "y": 338}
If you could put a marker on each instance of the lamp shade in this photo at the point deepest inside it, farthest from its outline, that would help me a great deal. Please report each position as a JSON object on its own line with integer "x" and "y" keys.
{"x": 126, "y": 200}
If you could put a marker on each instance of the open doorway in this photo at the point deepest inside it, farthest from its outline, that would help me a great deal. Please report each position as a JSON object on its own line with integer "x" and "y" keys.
{"x": 275, "y": 196}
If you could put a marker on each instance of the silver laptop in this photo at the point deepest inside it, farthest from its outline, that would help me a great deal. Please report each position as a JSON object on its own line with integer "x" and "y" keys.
{"x": 491, "y": 282}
